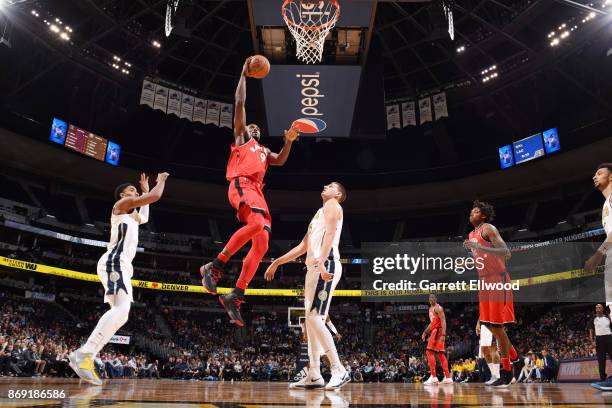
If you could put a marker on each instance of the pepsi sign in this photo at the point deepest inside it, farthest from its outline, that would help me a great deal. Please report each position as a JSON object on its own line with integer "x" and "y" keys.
{"x": 320, "y": 99}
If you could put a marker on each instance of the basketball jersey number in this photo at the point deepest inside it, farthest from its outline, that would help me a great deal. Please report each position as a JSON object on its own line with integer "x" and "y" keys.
{"x": 262, "y": 155}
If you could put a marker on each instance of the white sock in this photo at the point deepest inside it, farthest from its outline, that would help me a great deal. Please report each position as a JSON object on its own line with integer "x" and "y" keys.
{"x": 324, "y": 337}
{"x": 109, "y": 323}
{"x": 495, "y": 370}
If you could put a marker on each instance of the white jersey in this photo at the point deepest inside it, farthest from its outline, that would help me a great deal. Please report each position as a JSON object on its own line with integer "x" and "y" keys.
{"x": 115, "y": 266}
{"x": 606, "y": 215}
{"x": 124, "y": 238}
{"x": 316, "y": 233}
{"x": 606, "y": 221}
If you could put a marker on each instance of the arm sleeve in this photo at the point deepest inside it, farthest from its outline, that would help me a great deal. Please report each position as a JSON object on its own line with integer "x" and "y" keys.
{"x": 144, "y": 214}
{"x": 331, "y": 327}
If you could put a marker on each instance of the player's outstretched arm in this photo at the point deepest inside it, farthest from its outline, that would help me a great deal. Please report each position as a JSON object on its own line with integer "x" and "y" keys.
{"x": 143, "y": 213}
{"x": 280, "y": 158}
{"x": 293, "y": 254}
{"x": 129, "y": 203}
{"x": 239, "y": 102}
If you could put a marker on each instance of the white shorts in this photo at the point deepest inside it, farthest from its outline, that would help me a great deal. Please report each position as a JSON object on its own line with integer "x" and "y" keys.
{"x": 486, "y": 337}
{"x": 115, "y": 275}
{"x": 317, "y": 292}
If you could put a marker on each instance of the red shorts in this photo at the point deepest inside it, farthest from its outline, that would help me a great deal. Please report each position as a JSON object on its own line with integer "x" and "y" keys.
{"x": 246, "y": 196}
{"x": 496, "y": 306}
{"x": 435, "y": 342}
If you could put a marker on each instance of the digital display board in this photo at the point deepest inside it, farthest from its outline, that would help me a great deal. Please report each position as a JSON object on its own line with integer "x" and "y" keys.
{"x": 528, "y": 149}
{"x": 506, "y": 158}
{"x": 551, "y": 140}
{"x": 59, "y": 128}
{"x": 85, "y": 142}
{"x": 112, "y": 153}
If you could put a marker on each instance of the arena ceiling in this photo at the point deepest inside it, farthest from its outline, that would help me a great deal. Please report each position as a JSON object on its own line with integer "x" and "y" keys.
{"x": 544, "y": 77}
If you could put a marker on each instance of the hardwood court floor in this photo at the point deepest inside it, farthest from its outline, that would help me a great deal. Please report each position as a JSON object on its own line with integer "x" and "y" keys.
{"x": 171, "y": 393}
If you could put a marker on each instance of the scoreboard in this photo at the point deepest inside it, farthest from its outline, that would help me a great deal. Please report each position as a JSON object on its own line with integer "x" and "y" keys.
{"x": 84, "y": 142}
{"x": 529, "y": 148}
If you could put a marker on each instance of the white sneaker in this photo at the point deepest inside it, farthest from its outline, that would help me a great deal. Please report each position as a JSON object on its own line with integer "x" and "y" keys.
{"x": 447, "y": 380}
{"x": 431, "y": 381}
{"x": 83, "y": 366}
{"x": 492, "y": 380}
{"x": 339, "y": 377}
{"x": 309, "y": 382}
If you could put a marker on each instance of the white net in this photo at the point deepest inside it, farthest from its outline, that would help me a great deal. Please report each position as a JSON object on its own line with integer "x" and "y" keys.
{"x": 309, "y": 23}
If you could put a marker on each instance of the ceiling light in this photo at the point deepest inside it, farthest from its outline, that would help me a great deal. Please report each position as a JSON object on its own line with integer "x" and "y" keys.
{"x": 54, "y": 28}
{"x": 64, "y": 36}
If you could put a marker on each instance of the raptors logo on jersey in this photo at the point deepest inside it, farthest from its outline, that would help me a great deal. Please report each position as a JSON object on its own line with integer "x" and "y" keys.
{"x": 248, "y": 160}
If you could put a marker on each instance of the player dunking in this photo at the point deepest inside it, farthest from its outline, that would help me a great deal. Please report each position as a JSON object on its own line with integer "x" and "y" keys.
{"x": 323, "y": 272}
{"x": 246, "y": 169}
{"x": 496, "y": 306}
{"x": 603, "y": 182}
{"x": 435, "y": 345}
{"x": 115, "y": 270}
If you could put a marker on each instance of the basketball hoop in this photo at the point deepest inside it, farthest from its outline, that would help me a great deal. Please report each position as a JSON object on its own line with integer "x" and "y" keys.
{"x": 309, "y": 22}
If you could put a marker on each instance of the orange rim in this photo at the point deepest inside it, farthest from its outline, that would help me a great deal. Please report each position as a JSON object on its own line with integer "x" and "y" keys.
{"x": 311, "y": 28}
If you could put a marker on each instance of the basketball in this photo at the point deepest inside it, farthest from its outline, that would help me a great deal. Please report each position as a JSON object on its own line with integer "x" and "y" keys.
{"x": 259, "y": 66}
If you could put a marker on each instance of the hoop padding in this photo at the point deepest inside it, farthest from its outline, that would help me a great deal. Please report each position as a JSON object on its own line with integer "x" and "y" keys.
{"x": 309, "y": 23}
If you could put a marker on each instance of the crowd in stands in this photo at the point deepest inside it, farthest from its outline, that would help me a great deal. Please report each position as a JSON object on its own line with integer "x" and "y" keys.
{"x": 374, "y": 347}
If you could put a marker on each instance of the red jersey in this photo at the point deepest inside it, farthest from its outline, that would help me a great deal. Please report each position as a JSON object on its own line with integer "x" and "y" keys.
{"x": 248, "y": 160}
{"x": 491, "y": 264}
{"x": 436, "y": 323}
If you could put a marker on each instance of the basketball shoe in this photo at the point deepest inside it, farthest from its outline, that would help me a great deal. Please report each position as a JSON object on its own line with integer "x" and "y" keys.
{"x": 603, "y": 385}
{"x": 339, "y": 377}
{"x": 231, "y": 302}
{"x": 504, "y": 380}
{"x": 309, "y": 382}
{"x": 211, "y": 273}
{"x": 492, "y": 380}
{"x": 83, "y": 366}
{"x": 432, "y": 381}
